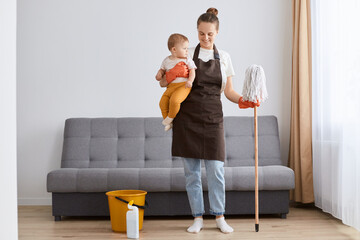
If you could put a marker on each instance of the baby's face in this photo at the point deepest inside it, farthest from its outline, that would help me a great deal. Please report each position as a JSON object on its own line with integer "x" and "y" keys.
{"x": 181, "y": 49}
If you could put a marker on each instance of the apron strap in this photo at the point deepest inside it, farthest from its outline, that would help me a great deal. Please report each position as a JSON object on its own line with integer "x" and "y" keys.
{"x": 196, "y": 53}
{"x": 216, "y": 53}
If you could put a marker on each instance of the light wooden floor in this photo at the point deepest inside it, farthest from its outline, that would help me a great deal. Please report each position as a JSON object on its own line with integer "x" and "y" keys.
{"x": 36, "y": 222}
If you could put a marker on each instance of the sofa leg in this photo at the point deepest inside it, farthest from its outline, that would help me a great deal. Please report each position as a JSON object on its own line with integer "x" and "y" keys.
{"x": 283, "y": 215}
{"x": 57, "y": 218}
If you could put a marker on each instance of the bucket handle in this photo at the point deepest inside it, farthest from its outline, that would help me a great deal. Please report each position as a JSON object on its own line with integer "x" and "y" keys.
{"x": 142, "y": 207}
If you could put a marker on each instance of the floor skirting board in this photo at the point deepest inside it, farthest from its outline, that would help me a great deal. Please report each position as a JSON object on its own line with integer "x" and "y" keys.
{"x": 34, "y": 201}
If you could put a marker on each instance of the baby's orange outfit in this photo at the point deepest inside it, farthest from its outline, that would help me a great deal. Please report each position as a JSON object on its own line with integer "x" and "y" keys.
{"x": 176, "y": 92}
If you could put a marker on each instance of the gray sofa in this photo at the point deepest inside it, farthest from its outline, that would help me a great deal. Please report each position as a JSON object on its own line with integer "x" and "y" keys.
{"x": 104, "y": 154}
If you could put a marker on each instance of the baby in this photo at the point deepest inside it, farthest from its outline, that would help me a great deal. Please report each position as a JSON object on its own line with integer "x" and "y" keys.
{"x": 179, "y": 85}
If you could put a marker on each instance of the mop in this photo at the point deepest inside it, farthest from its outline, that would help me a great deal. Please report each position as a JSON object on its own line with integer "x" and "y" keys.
{"x": 254, "y": 90}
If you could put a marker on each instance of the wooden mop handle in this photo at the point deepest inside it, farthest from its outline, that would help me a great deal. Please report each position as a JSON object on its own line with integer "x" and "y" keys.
{"x": 256, "y": 172}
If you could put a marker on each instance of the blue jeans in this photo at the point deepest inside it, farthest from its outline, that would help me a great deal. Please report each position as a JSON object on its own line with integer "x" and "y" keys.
{"x": 216, "y": 186}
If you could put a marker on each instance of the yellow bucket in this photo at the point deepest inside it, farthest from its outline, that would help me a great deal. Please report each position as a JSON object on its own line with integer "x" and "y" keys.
{"x": 118, "y": 206}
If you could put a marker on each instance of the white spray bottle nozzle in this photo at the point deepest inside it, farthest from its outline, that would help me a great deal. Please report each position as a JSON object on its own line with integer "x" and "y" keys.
{"x": 131, "y": 207}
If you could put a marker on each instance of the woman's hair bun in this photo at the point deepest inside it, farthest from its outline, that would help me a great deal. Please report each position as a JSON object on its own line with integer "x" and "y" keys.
{"x": 213, "y": 11}
{"x": 210, "y": 17}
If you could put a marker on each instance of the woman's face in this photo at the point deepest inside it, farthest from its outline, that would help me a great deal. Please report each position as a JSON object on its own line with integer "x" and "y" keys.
{"x": 207, "y": 33}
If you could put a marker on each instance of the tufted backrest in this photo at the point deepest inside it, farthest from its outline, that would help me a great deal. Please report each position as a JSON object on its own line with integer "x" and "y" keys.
{"x": 240, "y": 146}
{"x": 143, "y": 143}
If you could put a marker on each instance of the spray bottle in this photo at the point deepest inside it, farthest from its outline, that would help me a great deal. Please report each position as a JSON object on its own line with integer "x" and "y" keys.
{"x": 132, "y": 221}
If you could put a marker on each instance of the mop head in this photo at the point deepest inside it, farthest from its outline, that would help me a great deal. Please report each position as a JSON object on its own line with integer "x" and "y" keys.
{"x": 254, "y": 84}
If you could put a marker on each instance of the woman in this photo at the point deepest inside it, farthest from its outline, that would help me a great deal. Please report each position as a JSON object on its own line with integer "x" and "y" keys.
{"x": 198, "y": 131}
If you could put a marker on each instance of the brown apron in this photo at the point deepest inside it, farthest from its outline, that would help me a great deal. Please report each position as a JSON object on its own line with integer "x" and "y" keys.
{"x": 198, "y": 130}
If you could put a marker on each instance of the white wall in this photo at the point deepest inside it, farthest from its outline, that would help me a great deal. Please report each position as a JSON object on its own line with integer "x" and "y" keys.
{"x": 93, "y": 58}
{"x": 8, "y": 184}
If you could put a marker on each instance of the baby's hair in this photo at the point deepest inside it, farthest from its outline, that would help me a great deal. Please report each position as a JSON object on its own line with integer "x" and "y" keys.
{"x": 210, "y": 16}
{"x": 176, "y": 38}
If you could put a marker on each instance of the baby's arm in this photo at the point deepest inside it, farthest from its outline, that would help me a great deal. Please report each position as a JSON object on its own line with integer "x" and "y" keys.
{"x": 190, "y": 81}
{"x": 163, "y": 82}
{"x": 160, "y": 74}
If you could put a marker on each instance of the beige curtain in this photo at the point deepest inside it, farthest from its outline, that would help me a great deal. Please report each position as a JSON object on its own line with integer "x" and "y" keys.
{"x": 300, "y": 154}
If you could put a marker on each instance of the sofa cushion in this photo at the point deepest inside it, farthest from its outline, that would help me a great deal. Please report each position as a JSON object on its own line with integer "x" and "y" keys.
{"x": 163, "y": 179}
